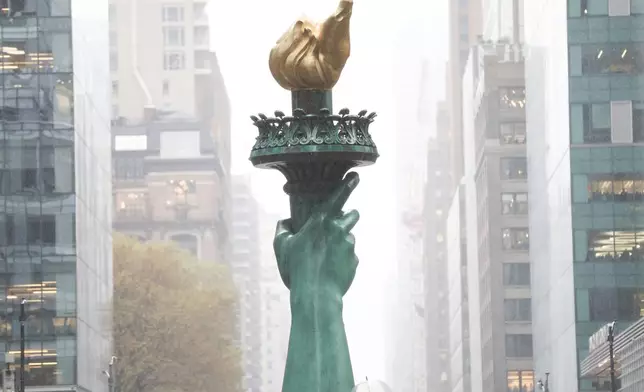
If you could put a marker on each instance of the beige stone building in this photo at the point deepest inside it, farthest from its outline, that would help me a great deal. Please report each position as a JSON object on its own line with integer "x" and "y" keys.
{"x": 166, "y": 189}
{"x": 170, "y": 126}
{"x": 160, "y": 56}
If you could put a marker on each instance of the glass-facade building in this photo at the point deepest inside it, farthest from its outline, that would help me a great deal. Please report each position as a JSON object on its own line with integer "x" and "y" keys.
{"x": 55, "y": 191}
{"x": 585, "y": 121}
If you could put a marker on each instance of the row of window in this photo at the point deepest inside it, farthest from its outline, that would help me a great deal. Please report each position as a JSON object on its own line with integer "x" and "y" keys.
{"x": 515, "y": 168}
{"x": 625, "y": 159}
{"x": 586, "y": 8}
{"x": 609, "y": 304}
{"x": 39, "y": 162}
{"x": 46, "y": 52}
{"x": 36, "y": 99}
{"x": 518, "y": 309}
{"x": 614, "y": 187}
{"x": 516, "y": 274}
{"x": 173, "y": 60}
{"x": 35, "y": 8}
{"x": 45, "y": 230}
{"x": 520, "y": 381}
{"x": 614, "y": 58}
{"x": 608, "y": 245}
{"x": 514, "y": 203}
{"x": 516, "y": 238}
{"x": 512, "y": 97}
{"x": 512, "y": 133}
{"x": 612, "y": 122}
{"x": 135, "y": 204}
{"x": 169, "y": 13}
{"x": 49, "y": 362}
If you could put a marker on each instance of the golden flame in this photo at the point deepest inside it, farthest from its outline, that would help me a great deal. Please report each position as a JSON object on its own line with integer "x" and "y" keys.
{"x": 311, "y": 56}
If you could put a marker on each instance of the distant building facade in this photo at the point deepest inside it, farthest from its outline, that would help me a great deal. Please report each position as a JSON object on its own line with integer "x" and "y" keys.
{"x": 436, "y": 208}
{"x": 55, "y": 187}
{"x": 276, "y": 310}
{"x": 167, "y": 186}
{"x": 246, "y": 254}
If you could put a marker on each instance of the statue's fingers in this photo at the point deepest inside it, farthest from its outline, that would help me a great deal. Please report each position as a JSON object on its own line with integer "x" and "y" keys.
{"x": 348, "y": 221}
{"x": 341, "y": 194}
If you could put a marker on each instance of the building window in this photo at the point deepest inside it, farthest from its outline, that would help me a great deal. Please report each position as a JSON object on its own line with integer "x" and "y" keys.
{"x": 516, "y": 274}
{"x": 182, "y": 190}
{"x": 609, "y": 304}
{"x": 114, "y": 60}
{"x": 515, "y": 239}
{"x": 166, "y": 88}
{"x": 615, "y": 58}
{"x": 512, "y": 97}
{"x": 638, "y": 122}
{"x": 578, "y": 8}
{"x": 174, "y": 36}
{"x": 518, "y": 309}
{"x": 619, "y": 187}
{"x": 128, "y": 168}
{"x": 518, "y": 346}
{"x": 41, "y": 230}
{"x": 608, "y": 245}
{"x": 590, "y": 123}
{"x": 520, "y": 381}
{"x": 172, "y": 13}
{"x": 514, "y": 203}
{"x": 131, "y": 205}
{"x": 184, "y": 198}
{"x": 513, "y": 133}
{"x": 173, "y": 61}
{"x": 115, "y": 88}
{"x": 113, "y": 39}
{"x": 514, "y": 169}
{"x": 130, "y": 142}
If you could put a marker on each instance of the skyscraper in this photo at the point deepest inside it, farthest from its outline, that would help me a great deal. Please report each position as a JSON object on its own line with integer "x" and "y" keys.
{"x": 246, "y": 269}
{"x": 496, "y": 182}
{"x": 55, "y": 188}
{"x": 586, "y": 163}
{"x": 437, "y": 203}
{"x": 464, "y": 19}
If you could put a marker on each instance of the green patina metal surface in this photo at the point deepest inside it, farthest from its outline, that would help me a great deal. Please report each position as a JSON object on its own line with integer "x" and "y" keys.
{"x": 314, "y": 248}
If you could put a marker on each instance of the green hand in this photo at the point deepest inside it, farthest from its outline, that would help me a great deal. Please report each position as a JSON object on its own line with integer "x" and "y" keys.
{"x": 318, "y": 265}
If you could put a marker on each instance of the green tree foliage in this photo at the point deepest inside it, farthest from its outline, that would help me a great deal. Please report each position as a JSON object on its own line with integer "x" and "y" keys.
{"x": 173, "y": 321}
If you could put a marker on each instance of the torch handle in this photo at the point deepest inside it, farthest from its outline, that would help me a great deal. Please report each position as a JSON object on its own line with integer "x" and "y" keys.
{"x": 302, "y": 206}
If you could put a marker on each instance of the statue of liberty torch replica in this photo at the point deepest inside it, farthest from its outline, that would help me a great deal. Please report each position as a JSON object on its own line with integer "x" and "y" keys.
{"x": 314, "y": 149}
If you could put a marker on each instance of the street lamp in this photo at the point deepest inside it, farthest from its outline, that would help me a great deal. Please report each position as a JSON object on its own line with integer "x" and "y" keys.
{"x": 110, "y": 374}
{"x": 314, "y": 149}
{"x": 611, "y": 354}
{"x": 23, "y": 318}
{"x": 544, "y": 386}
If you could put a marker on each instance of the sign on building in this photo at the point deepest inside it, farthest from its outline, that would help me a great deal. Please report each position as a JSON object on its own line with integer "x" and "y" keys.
{"x": 598, "y": 338}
